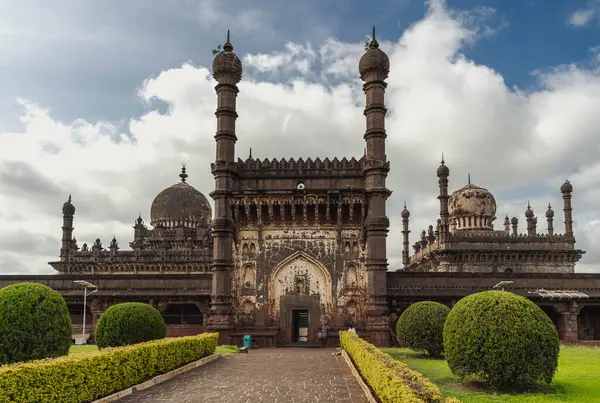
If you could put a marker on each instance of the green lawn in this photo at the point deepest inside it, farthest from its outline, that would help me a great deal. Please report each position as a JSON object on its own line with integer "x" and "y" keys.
{"x": 88, "y": 348}
{"x": 81, "y": 349}
{"x": 577, "y": 379}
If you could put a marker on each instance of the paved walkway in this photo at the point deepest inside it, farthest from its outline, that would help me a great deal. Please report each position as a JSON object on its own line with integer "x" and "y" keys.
{"x": 267, "y": 375}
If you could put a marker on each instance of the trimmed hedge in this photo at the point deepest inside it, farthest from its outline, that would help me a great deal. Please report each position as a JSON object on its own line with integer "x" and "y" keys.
{"x": 421, "y": 327}
{"x": 34, "y": 323}
{"x": 391, "y": 380}
{"x": 83, "y": 378}
{"x": 503, "y": 338}
{"x": 129, "y": 323}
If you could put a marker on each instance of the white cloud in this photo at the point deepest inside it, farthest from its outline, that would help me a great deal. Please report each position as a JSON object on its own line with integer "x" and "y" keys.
{"x": 583, "y": 16}
{"x": 519, "y": 144}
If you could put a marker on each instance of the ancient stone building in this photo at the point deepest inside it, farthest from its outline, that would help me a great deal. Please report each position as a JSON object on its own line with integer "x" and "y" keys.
{"x": 294, "y": 243}
{"x": 180, "y": 241}
{"x": 298, "y": 243}
{"x": 464, "y": 238}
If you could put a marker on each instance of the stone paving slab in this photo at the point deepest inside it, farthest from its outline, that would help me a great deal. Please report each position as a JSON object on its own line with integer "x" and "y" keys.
{"x": 270, "y": 375}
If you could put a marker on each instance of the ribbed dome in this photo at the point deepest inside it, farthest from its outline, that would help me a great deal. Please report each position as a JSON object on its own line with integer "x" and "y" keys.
{"x": 68, "y": 208}
{"x": 180, "y": 205}
{"x": 374, "y": 60}
{"x": 227, "y": 67}
{"x": 472, "y": 207}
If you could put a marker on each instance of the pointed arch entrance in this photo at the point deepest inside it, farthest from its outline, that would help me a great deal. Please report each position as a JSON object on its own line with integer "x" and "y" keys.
{"x": 300, "y": 291}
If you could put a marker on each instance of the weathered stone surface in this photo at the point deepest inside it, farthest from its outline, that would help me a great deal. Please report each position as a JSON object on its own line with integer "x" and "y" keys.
{"x": 264, "y": 375}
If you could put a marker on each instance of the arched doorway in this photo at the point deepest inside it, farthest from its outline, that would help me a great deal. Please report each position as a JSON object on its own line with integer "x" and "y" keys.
{"x": 300, "y": 292}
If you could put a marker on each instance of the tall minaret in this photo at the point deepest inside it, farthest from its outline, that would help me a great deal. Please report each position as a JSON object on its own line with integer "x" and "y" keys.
{"x": 405, "y": 231}
{"x": 529, "y": 218}
{"x": 68, "y": 211}
{"x": 442, "y": 174}
{"x": 227, "y": 70}
{"x": 374, "y": 67}
{"x": 550, "y": 220}
{"x": 566, "y": 189}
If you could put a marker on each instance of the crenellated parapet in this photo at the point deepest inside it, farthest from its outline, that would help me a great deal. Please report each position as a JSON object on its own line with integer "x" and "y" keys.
{"x": 300, "y": 165}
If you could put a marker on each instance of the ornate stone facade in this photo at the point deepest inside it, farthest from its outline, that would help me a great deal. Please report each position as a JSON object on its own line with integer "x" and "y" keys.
{"x": 180, "y": 241}
{"x": 464, "y": 238}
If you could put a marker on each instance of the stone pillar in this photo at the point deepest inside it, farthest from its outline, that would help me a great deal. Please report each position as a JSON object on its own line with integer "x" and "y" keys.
{"x": 550, "y": 220}
{"x": 227, "y": 71}
{"x": 566, "y": 189}
{"x": 567, "y": 321}
{"x": 405, "y": 242}
{"x": 529, "y": 217}
{"x": 442, "y": 173}
{"x": 515, "y": 226}
{"x": 68, "y": 211}
{"x": 374, "y": 68}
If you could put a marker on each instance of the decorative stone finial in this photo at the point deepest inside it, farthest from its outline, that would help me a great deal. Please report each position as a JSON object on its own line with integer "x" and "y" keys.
{"x": 374, "y": 61}
{"x": 227, "y": 67}
{"x": 566, "y": 187}
{"x": 443, "y": 169}
{"x": 405, "y": 213}
{"x": 183, "y": 175}
{"x": 529, "y": 211}
{"x": 228, "y": 47}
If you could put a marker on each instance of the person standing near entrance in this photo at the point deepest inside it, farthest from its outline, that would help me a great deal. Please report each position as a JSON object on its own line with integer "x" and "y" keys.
{"x": 323, "y": 331}
{"x": 352, "y": 329}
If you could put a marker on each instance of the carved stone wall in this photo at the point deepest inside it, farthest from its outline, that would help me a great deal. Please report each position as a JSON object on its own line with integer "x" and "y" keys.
{"x": 324, "y": 261}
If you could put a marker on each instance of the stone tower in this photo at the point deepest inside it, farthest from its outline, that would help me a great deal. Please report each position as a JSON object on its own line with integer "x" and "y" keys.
{"x": 374, "y": 68}
{"x": 227, "y": 71}
{"x": 68, "y": 211}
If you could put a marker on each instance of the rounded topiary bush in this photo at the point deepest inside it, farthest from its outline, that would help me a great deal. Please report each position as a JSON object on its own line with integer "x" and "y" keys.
{"x": 503, "y": 338}
{"x": 34, "y": 323}
{"x": 421, "y": 325}
{"x": 129, "y": 323}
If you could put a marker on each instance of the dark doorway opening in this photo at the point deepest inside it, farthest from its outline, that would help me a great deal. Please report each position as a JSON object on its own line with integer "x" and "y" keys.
{"x": 300, "y": 325}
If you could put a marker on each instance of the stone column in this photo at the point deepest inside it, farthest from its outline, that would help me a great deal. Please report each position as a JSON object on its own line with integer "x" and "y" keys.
{"x": 566, "y": 189}
{"x": 442, "y": 174}
{"x": 405, "y": 242}
{"x": 68, "y": 211}
{"x": 227, "y": 71}
{"x": 567, "y": 321}
{"x": 374, "y": 68}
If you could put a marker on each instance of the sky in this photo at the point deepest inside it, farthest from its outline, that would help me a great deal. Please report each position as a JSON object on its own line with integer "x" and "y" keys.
{"x": 105, "y": 100}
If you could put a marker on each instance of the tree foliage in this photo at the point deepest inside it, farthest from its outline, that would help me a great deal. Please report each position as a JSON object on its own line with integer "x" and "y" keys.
{"x": 502, "y": 338}
{"x": 129, "y": 323}
{"x": 34, "y": 323}
{"x": 421, "y": 325}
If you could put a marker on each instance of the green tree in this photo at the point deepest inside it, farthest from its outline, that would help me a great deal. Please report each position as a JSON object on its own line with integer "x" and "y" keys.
{"x": 421, "y": 325}
{"x": 129, "y": 323}
{"x": 34, "y": 323}
{"x": 502, "y": 338}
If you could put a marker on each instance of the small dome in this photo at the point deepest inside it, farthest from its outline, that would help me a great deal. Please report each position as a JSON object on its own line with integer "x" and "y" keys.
{"x": 529, "y": 212}
{"x": 443, "y": 170}
{"x": 68, "y": 208}
{"x": 549, "y": 212}
{"x": 405, "y": 213}
{"x": 227, "y": 67}
{"x": 566, "y": 187}
{"x": 472, "y": 207}
{"x": 180, "y": 205}
{"x": 514, "y": 221}
{"x": 374, "y": 59}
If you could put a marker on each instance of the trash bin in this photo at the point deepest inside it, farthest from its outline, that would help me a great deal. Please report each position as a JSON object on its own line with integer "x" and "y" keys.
{"x": 248, "y": 341}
